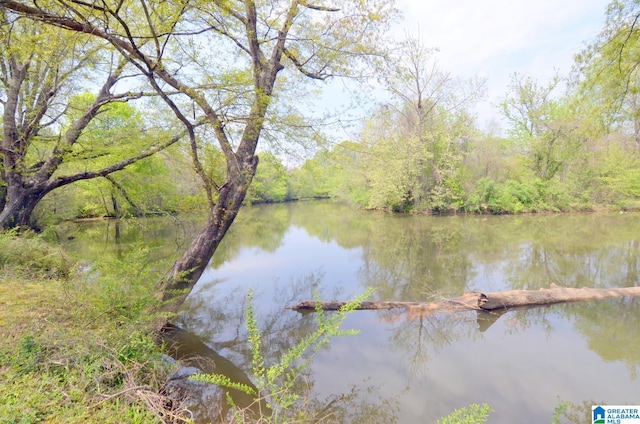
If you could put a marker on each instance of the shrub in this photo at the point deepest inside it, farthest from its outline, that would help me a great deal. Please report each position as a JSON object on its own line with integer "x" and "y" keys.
{"x": 27, "y": 255}
{"x": 275, "y": 382}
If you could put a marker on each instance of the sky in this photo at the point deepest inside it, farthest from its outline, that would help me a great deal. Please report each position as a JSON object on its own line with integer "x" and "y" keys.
{"x": 495, "y": 38}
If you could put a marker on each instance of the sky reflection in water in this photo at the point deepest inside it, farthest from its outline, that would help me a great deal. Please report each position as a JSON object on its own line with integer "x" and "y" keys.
{"x": 523, "y": 363}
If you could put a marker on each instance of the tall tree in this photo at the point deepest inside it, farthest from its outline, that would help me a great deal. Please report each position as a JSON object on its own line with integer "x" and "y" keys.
{"x": 608, "y": 71}
{"x": 224, "y": 58}
{"x": 417, "y": 158}
{"x": 607, "y": 83}
{"x": 40, "y": 67}
{"x": 544, "y": 126}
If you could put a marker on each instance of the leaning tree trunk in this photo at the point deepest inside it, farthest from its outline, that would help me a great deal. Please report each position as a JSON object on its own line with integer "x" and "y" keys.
{"x": 3, "y": 193}
{"x": 187, "y": 270}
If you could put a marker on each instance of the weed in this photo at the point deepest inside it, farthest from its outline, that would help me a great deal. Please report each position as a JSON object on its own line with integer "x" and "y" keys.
{"x": 472, "y": 414}
{"x": 77, "y": 349}
{"x": 26, "y": 255}
{"x": 275, "y": 382}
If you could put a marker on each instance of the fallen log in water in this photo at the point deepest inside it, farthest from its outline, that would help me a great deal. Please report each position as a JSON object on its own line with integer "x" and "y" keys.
{"x": 488, "y": 301}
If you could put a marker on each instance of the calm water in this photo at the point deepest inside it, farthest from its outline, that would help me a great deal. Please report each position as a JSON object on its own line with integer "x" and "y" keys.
{"x": 410, "y": 369}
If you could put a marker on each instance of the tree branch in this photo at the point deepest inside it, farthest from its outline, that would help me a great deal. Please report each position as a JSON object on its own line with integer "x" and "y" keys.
{"x": 118, "y": 166}
{"x": 300, "y": 67}
{"x": 124, "y": 193}
{"x": 206, "y": 181}
{"x": 319, "y": 8}
{"x": 73, "y": 133}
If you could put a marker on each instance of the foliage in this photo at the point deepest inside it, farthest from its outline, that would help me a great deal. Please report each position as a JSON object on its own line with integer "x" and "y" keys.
{"x": 322, "y": 176}
{"x": 28, "y": 256}
{"x": 472, "y": 414}
{"x": 569, "y": 412}
{"x": 542, "y": 126}
{"x": 276, "y": 382}
{"x": 270, "y": 183}
{"x": 619, "y": 173}
{"x": 565, "y": 150}
{"x": 562, "y": 152}
{"x": 73, "y": 353}
{"x": 143, "y": 188}
{"x": 606, "y": 71}
{"x": 515, "y": 197}
{"x": 123, "y": 287}
{"x": 409, "y": 156}
{"x": 56, "y": 133}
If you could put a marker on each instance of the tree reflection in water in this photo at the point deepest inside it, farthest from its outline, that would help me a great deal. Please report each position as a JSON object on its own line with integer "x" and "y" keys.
{"x": 228, "y": 352}
{"x": 421, "y": 335}
{"x": 444, "y": 359}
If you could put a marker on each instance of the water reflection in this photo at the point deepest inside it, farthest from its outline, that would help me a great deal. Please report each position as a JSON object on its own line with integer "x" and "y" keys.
{"x": 281, "y": 330}
{"x": 418, "y": 337}
{"x": 524, "y": 363}
{"x": 611, "y": 329}
{"x": 165, "y": 238}
{"x": 209, "y": 403}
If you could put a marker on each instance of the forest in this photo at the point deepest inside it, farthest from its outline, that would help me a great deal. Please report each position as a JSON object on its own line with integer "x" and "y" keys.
{"x": 570, "y": 144}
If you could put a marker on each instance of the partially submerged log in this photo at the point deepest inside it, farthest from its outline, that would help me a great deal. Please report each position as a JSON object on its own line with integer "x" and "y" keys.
{"x": 488, "y": 301}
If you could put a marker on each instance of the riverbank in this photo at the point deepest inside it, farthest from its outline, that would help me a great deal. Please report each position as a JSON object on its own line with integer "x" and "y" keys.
{"x": 73, "y": 353}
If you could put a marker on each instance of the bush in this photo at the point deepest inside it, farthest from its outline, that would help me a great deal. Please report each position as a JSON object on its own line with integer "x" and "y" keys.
{"x": 487, "y": 198}
{"x": 28, "y": 256}
{"x": 517, "y": 197}
{"x": 472, "y": 414}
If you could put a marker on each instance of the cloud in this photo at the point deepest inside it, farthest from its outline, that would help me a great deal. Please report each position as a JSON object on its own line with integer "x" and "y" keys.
{"x": 470, "y": 32}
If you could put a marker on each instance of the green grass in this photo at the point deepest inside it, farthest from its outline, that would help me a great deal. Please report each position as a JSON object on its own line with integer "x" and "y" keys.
{"x": 27, "y": 256}
{"x": 73, "y": 350}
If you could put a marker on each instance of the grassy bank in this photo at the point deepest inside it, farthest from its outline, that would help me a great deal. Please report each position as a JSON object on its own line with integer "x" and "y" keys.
{"x": 74, "y": 349}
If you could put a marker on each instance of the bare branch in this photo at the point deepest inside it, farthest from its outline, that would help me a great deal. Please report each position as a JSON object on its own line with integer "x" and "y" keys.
{"x": 300, "y": 67}
{"x": 154, "y": 35}
{"x": 319, "y": 8}
{"x": 190, "y": 128}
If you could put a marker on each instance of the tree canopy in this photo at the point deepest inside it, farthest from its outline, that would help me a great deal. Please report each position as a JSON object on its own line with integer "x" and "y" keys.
{"x": 49, "y": 123}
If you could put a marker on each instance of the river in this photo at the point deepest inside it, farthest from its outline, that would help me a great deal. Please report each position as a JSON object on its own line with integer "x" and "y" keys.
{"x": 526, "y": 364}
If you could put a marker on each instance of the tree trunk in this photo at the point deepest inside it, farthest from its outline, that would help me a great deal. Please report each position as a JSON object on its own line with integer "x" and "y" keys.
{"x": 3, "y": 194}
{"x": 21, "y": 202}
{"x": 487, "y": 301}
{"x": 187, "y": 270}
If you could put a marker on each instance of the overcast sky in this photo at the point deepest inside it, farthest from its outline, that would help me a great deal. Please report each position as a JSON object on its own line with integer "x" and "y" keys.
{"x": 495, "y": 38}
